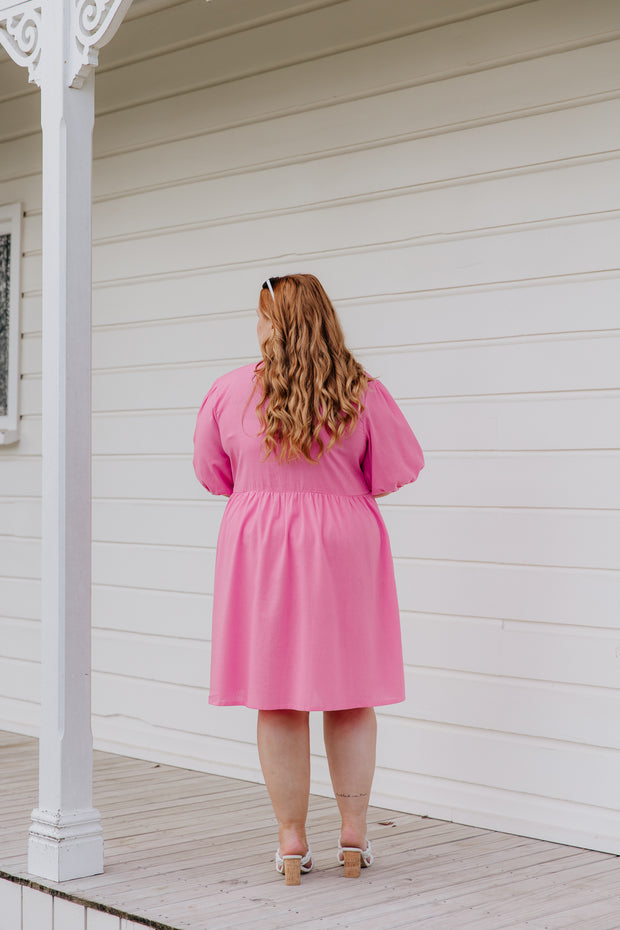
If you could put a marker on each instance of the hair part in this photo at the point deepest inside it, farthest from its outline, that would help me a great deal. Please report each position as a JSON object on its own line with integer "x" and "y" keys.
{"x": 310, "y": 382}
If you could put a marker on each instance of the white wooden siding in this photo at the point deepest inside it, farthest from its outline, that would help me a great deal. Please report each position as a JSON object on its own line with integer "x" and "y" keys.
{"x": 451, "y": 171}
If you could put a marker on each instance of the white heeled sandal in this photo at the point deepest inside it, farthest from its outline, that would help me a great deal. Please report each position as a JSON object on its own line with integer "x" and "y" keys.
{"x": 292, "y": 866}
{"x": 354, "y": 859}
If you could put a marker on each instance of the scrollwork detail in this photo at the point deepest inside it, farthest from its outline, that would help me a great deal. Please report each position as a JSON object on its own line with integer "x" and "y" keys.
{"x": 94, "y": 24}
{"x": 92, "y": 17}
{"x": 20, "y": 34}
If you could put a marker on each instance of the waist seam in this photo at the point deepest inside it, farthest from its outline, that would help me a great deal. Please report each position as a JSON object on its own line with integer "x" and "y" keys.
{"x": 293, "y": 491}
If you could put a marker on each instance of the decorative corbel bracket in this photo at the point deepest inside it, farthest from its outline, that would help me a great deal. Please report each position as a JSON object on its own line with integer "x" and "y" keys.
{"x": 20, "y": 34}
{"x": 92, "y": 25}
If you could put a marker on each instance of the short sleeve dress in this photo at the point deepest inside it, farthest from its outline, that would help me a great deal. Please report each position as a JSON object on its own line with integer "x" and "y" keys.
{"x": 305, "y": 614}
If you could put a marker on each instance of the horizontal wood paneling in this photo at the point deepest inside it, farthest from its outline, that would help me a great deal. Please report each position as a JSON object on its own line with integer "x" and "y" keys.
{"x": 406, "y": 209}
{"x": 21, "y": 639}
{"x": 331, "y": 28}
{"x": 542, "y": 364}
{"x": 188, "y": 523}
{"x": 19, "y": 557}
{"x": 20, "y": 679}
{"x": 369, "y": 81}
{"x": 522, "y": 141}
{"x": 152, "y": 611}
{"x": 21, "y": 476}
{"x": 515, "y": 811}
{"x": 138, "y": 477}
{"x": 20, "y": 516}
{"x": 175, "y": 707}
{"x": 587, "y": 716}
{"x": 570, "y": 655}
{"x": 588, "y": 539}
{"x": 222, "y": 756}
{"x": 534, "y": 421}
{"x": 451, "y": 172}
{"x": 166, "y": 659}
{"x": 451, "y": 260}
{"x": 163, "y": 568}
{"x": 570, "y": 772}
{"x": 20, "y": 597}
{"x": 538, "y": 193}
{"x": 583, "y": 597}
{"x": 518, "y": 479}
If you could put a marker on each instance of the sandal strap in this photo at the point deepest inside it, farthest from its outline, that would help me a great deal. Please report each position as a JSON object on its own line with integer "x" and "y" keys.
{"x": 366, "y": 854}
{"x": 305, "y": 861}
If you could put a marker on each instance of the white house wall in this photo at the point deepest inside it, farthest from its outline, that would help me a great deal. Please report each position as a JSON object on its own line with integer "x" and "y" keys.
{"x": 451, "y": 172}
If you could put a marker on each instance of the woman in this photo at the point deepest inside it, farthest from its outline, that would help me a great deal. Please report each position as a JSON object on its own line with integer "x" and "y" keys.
{"x": 305, "y": 615}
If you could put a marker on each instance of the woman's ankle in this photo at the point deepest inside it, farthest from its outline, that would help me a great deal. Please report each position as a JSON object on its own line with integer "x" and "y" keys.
{"x": 293, "y": 841}
{"x": 354, "y": 835}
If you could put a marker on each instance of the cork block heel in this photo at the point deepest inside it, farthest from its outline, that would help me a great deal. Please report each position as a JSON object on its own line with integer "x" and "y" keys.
{"x": 352, "y": 863}
{"x": 292, "y": 867}
{"x": 354, "y": 859}
{"x": 292, "y": 870}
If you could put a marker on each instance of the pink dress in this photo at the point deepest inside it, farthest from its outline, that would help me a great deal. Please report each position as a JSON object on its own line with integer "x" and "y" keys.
{"x": 305, "y": 614}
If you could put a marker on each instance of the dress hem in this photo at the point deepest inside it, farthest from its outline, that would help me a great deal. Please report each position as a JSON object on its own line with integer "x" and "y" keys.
{"x": 383, "y": 702}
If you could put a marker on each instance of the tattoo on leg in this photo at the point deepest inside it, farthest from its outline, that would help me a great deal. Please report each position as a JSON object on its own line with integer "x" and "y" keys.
{"x": 342, "y": 794}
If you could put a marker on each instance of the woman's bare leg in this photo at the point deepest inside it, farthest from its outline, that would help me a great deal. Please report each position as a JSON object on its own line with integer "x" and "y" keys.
{"x": 284, "y": 752}
{"x": 350, "y": 741}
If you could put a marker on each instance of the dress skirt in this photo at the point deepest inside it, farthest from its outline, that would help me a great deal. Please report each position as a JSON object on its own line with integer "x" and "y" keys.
{"x": 305, "y": 610}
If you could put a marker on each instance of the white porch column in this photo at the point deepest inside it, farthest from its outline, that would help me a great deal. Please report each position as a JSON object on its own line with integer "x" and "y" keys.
{"x": 58, "y": 41}
{"x": 66, "y": 840}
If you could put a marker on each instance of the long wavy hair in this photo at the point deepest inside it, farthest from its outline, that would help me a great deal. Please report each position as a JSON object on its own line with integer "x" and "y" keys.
{"x": 308, "y": 380}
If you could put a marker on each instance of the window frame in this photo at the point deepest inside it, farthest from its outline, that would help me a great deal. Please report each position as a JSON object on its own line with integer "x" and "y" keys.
{"x": 11, "y": 223}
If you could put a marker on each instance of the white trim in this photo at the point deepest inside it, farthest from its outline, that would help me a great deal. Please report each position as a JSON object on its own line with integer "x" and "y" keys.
{"x": 20, "y": 34}
{"x": 10, "y": 222}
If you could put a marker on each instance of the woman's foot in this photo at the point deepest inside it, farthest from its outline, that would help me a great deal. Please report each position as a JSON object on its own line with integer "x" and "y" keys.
{"x": 355, "y": 858}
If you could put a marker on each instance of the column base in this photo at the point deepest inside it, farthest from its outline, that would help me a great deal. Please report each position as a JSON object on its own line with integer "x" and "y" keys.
{"x": 65, "y": 844}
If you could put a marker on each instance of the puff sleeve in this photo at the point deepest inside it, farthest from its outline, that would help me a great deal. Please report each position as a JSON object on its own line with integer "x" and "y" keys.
{"x": 211, "y": 463}
{"x": 393, "y": 456}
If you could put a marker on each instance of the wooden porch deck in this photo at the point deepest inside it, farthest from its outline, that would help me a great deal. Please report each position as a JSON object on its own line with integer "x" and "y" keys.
{"x": 191, "y": 851}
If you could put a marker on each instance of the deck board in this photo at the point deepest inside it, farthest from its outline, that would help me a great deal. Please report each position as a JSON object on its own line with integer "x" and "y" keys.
{"x": 195, "y": 852}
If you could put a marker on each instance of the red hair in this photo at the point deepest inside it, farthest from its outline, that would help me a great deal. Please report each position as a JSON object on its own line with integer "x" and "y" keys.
{"x": 310, "y": 381}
